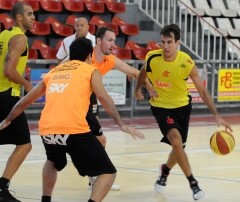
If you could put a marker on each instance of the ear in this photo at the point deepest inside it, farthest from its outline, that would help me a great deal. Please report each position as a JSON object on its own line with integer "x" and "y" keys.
{"x": 19, "y": 17}
{"x": 98, "y": 41}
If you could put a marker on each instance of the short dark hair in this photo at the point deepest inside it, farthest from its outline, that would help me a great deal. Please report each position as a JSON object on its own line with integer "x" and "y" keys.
{"x": 18, "y": 8}
{"x": 80, "y": 49}
{"x": 101, "y": 31}
{"x": 172, "y": 28}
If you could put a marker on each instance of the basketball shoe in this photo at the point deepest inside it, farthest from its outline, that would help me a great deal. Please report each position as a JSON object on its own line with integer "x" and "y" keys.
{"x": 114, "y": 187}
{"x": 5, "y": 196}
{"x": 197, "y": 192}
{"x": 160, "y": 184}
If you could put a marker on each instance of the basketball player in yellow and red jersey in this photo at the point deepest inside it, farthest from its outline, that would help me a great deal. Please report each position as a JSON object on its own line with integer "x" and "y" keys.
{"x": 168, "y": 70}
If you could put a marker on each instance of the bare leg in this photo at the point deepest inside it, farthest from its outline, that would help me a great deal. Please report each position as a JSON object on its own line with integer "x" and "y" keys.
{"x": 102, "y": 139}
{"x": 102, "y": 186}
{"x": 49, "y": 177}
{"x": 178, "y": 152}
{"x": 16, "y": 159}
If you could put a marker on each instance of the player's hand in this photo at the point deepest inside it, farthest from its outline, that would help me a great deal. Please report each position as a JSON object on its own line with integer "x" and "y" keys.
{"x": 28, "y": 87}
{"x": 4, "y": 124}
{"x": 132, "y": 131}
{"x": 139, "y": 95}
{"x": 220, "y": 121}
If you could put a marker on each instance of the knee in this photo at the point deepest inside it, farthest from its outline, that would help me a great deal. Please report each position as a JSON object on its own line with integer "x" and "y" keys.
{"x": 102, "y": 139}
{"x": 26, "y": 148}
{"x": 175, "y": 139}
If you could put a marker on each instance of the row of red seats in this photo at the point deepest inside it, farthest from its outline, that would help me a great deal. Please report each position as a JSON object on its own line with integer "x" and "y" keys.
{"x": 44, "y": 28}
{"x": 131, "y": 50}
{"x": 70, "y": 5}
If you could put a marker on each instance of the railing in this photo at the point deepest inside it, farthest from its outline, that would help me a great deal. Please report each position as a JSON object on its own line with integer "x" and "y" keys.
{"x": 200, "y": 38}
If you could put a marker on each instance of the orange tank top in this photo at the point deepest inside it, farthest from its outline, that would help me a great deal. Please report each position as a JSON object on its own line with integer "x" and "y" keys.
{"x": 106, "y": 65}
{"x": 68, "y": 90}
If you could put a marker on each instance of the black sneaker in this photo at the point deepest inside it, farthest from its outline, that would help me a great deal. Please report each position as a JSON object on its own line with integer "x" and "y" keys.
{"x": 161, "y": 181}
{"x": 197, "y": 192}
{"x": 5, "y": 196}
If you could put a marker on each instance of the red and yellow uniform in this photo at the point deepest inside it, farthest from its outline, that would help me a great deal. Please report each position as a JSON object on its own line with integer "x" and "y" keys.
{"x": 169, "y": 79}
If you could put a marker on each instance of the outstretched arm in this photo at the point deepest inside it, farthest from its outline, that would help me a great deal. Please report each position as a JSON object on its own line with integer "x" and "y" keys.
{"x": 23, "y": 103}
{"x": 207, "y": 99}
{"x": 134, "y": 73}
{"x": 109, "y": 106}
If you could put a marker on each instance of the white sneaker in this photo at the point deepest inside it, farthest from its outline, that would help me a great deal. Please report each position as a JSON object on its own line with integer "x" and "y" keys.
{"x": 114, "y": 187}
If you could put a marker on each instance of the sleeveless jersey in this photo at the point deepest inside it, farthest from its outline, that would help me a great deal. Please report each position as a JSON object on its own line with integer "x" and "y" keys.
{"x": 68, "y": 90}
{"x": 5, "y": 83}
{"x": 169, "y": 78}
{"x": 106, "y": 65}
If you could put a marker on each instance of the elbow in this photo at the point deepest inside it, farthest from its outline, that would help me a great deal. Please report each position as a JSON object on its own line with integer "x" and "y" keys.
{"x": 7, "y": 73}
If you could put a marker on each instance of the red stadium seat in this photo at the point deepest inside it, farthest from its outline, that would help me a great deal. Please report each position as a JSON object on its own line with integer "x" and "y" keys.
{"x": 138, "y": 51}
{"x": 73, "y": 5}
{"x": 46, "y": 51}
{"x": 126, "y": 28}
{"x": 99, "y": 22}
{"x": 6, "y": 4}
{"x": 58, "y": 44}
{"x": 6, "y": 21}
{"x": 122, "y": 53}
{"x": 40, "y": 28}
{"x": 59, "y": 28}
{"x": 51, "y": 5}
{"x": 114, "y": 6}
{"x": 94, "y": 6}
{"x": 71, "y": 19}
{"x": 153, "y": 45}
{"x": 32, "y": 53}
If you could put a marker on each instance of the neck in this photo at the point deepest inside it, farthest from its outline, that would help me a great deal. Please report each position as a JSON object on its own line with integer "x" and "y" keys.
{"x": 99, "y": 56}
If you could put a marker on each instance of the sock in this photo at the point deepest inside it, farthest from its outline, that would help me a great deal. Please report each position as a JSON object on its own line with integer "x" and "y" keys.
{"x": 90, "y": 200}
{"x": 4, "y": 183}
{"x": 165, "y": 170}
{"x": 192, "y": 180}
{"x": 46, "y": 198}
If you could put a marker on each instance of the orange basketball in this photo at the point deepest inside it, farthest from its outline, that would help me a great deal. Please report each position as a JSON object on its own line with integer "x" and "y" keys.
{"x": 222, "y": 142}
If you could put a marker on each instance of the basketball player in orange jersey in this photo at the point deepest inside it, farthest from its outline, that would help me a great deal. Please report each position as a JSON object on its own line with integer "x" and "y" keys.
{"x": 63, "y": 126}
{"x": 103, "y": 59}
{"x": 168, "y": 70}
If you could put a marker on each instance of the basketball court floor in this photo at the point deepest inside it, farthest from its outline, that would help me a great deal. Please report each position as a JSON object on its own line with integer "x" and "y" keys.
{"x": 137, "y": 162}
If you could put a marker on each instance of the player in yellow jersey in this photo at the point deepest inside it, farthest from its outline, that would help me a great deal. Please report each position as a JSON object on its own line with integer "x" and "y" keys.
{"x": 13, "y": 60}
{"x": 168, "y": 70}
{"x": 63, "y": 125}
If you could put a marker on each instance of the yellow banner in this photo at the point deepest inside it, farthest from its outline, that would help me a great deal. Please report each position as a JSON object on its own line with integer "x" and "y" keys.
{"x": 228, "y": 85}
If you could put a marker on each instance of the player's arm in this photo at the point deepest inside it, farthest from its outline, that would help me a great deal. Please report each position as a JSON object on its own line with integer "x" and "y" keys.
{"x": 109, "y": 106}
{"x": 134, "y": 73}
{"x": 17, "y": 45}
{"x": 140, "y": 82}
{"x": 23, "y": 103}
{"x": 207, "y": 99}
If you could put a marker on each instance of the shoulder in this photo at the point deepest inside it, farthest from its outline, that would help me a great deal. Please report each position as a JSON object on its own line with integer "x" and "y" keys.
{"x": 186, "y": 58}
{"x": 154, "y": 53}
{"x": 70, "y": 38}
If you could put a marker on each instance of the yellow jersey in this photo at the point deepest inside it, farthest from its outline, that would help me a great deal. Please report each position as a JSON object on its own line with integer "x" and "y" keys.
{"x": 5, "y": 83}
{"x": 169, "y": 79}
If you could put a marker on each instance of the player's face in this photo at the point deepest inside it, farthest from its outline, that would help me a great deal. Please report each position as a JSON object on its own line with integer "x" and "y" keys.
{"x": 169, "y": 46}
{"x": 107, "y": 43}
{"x": 28, "y": 18}
{"x": 81, "y": 28}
